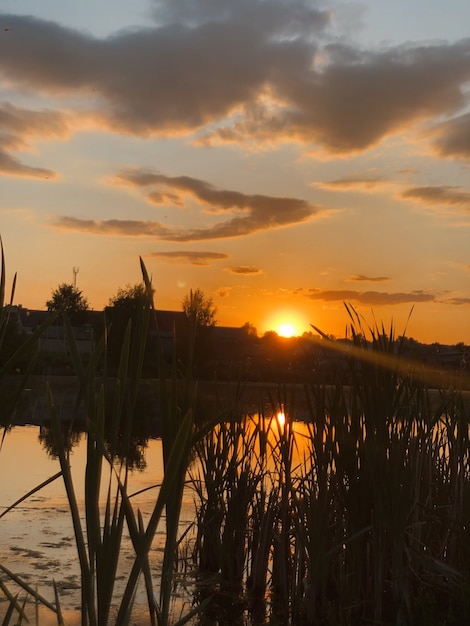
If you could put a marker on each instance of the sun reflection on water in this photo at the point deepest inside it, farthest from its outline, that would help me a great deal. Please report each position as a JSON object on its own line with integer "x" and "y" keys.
{"x": 281, "y": 418}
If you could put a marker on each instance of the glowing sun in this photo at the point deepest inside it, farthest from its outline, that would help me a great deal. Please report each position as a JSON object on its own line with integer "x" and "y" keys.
{"x": 286, "y": 329}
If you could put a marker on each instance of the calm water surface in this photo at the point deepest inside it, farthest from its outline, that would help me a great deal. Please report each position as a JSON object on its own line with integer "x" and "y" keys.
{"x": 36, "y": 538}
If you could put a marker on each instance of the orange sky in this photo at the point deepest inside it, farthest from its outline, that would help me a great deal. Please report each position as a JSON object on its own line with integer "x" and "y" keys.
{"x": 284, "y": 157}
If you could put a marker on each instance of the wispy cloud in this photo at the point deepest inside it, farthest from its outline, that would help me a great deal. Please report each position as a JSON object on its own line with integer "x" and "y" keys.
{"x": 275, "y": 77}
{"x": 18, "y": 128}
{"x": 355, "y": 183}
{"x": 456, "y": 301}
{"x": 190, "y": 257}
{"x": 453, "y": 137}
{"x": 11, "y": 166}
{"x": 127, "y": 228}
{"x": 244, "y": 269}
{"x": 364, "y": 278}
{"x": 368, "y": 297}
{"x": 439, "y": 195}
{"x": 251, "y": 212}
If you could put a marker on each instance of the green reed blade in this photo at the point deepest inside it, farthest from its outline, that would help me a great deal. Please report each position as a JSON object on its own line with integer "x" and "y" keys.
{"x": 86, "y": 572}
{"x": 8, "y": 614}
{"x": 175, "y": 462}
{"x": 60, "y": 619}
{"x": 13, "y": 605}
{"x": 24, "y": 585}
{"x": 32, "y": 492}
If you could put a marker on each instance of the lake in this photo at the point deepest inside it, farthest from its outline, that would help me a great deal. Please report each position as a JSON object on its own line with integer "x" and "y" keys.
{"x": 277, "y": 504}
{"x": 36, "y": 538}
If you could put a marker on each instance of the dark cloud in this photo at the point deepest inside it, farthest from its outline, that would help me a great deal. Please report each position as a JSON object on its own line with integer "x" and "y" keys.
{"x": 18, "y": 127}
{"x": 456, "y": 301}
{"x": 454, "y": 137}
{"x": 358, "y": 98}
{"x": 245, "y": 269}
{"x": 128, "y": 228}
{"x": 11, "y": 166}
{"x": 253, "y": 212}
{"x": 439, "y": 195}
{"x": 372, "y": 279}
{"x": 368, "y": 297}
{"x": 257, "y": 70}
{"x": 361, "y": 183}
{"x": 286, "y": 20}
{"x": 190, "y": 256}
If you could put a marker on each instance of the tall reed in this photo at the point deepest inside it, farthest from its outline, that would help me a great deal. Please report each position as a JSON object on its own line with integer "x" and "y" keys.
{"x": 13, "y": 385}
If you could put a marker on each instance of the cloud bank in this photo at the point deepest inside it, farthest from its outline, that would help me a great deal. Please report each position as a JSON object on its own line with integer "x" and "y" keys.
{"x": 277, "y": 75}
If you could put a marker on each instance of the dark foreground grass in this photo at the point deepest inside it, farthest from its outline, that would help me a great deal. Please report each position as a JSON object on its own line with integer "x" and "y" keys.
{"x": 359, "y": 516}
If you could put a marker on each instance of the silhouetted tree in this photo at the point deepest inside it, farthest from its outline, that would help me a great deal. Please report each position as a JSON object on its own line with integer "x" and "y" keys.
{"x": 129, "y": 304}
{"x": 201, "y": 307}
{"x": 130, "y": 299}
{"x": 69, "y": 300}
{"x": 250, "y": 330}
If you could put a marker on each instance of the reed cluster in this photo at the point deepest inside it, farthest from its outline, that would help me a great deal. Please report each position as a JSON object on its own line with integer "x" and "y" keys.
{"x": 358, "y": 515}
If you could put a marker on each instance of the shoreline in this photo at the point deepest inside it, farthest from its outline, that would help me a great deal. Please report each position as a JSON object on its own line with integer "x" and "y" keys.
{"x": 213, "y": 396}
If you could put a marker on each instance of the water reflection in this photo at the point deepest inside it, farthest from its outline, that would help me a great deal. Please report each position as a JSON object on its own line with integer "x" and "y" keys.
{"x": 280, "y": 518}
{"x": 128, "y": 450}
{"x": 37, "y": 539}
{"x": 70, "y": 437}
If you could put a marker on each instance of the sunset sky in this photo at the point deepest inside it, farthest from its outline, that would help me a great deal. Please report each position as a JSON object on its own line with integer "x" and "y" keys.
{"x": 283, "y": 156}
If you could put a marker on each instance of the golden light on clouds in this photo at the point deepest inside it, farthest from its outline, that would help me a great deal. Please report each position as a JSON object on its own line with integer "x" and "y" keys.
{"x": 336, "y": 173}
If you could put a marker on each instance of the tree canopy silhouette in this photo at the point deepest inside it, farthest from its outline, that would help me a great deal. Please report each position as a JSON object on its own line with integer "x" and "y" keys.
{"x": 131, "y": 298}
{"x": 201, "y": 307}
{"x": 69, "y": 300}
{"x": 128, "y": 305}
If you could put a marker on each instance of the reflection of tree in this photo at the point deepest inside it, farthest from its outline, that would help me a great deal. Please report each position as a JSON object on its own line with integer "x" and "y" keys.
{"x": 70, "y": 437}
{"x": 128, "y": 450}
